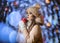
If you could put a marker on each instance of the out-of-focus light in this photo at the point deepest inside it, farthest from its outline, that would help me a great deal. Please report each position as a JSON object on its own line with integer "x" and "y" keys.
{"x": 47, "y": 1}
{"x": 48, "y": 24}
{"x": 6, "y": 9}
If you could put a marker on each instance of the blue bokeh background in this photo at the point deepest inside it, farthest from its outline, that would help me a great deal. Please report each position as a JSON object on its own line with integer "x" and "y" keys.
{"x": 12, "y": 11}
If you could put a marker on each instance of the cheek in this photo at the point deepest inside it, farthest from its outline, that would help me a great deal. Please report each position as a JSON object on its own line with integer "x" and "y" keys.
{"x": 30, "y": 17}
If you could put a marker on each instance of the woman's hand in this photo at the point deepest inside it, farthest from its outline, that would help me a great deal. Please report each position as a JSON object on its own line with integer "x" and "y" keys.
{"x": 23, "y": 28}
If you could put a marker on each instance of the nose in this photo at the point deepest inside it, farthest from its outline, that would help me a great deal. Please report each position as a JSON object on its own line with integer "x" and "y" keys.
{"x": 27, "y": 15}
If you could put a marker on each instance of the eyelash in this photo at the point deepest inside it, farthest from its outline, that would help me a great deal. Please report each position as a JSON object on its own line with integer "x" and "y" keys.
{"x": 26, "y": 12}
{"x": 30, "y": 13}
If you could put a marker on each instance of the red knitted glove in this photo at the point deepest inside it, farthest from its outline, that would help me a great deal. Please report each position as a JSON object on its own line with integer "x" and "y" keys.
{"x": 24, "y": 20}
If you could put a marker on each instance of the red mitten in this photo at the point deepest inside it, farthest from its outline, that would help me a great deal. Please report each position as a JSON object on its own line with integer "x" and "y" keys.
{"x": 24, "y": 20}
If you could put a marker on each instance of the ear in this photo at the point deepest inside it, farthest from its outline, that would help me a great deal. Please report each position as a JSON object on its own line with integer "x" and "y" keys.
{"x": 37, "y": 6}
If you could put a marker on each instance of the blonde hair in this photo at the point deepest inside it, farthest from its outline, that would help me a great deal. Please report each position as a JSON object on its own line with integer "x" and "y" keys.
{"x": 35, "y": 11}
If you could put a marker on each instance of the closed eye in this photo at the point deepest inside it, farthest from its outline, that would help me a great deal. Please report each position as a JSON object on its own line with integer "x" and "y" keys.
{"x": 30, "y": 12}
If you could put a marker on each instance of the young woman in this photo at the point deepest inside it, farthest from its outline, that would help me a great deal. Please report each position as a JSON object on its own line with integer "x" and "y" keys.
{"x": 30, "y": 27}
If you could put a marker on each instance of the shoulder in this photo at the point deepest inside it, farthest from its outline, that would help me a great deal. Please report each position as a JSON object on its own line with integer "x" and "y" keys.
{"x": 36, "y": 26}
{"x": 35, "y": 30}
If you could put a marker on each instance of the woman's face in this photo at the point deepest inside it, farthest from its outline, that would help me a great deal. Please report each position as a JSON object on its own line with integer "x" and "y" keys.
{"x": 30, "y": 16}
